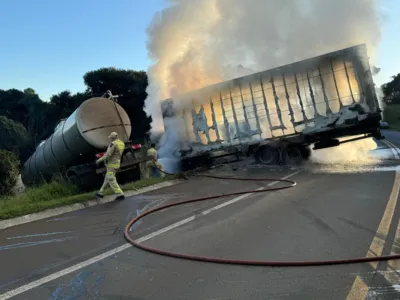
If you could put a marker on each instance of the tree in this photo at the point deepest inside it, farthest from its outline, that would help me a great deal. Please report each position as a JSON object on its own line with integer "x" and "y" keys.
{"x": 28, "y": 109}
{"x": 37, "y": 122}
{"x": 13, "y": 106}
{"x": 67, "y": 102}
{"x": 40, "y": 118}
{"x": 14, "y": 138}
{"x": 391, "y": 90}
{"x": 9, "y": 170}
{"x": 130, "y": 86}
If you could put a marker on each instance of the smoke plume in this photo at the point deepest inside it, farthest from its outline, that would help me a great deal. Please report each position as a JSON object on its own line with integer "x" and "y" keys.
{"x": 195, "y": 43}
{"x": 354, "y": 153}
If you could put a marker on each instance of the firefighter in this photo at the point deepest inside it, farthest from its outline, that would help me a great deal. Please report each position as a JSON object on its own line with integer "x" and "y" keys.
{"x": 153, "y": 167}
{"x": 112, "y": 160}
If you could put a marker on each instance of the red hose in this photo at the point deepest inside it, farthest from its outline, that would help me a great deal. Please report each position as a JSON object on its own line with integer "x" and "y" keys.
{"x": 234, "y": 261}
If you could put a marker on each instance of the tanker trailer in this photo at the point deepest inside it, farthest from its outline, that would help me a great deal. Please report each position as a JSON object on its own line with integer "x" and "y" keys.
{"x": 81, "y": 139}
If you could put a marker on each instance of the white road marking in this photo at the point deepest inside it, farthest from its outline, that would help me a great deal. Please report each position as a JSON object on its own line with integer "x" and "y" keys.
{"x": 359, "y": 289}
{"x": 205, "y": 212}
{"x": 393, "y": 148}
{"x": 114, "y": 251}
{"x": 37, "y": 235}
{"x": 394, "y": 277}
{"x": 36, "y": 243}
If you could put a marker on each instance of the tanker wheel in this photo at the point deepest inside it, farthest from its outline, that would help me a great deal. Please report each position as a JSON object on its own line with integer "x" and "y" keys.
{"x": 267, "y": 155}
{"x": 75, "y": 180}
{"x": 129, "y": 176}
{"x": 295, "y": 154}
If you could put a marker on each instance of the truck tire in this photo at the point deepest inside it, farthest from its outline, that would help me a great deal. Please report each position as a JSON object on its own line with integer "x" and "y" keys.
{"x": 295, "y": 154}
{"x": 267, "y": 155}
{"x": 75, "y": 180}
{"x": 129, "y": 176}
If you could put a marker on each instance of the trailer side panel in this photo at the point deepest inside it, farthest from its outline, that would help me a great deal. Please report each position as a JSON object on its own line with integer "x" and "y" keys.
{"x": 308, "y": 97}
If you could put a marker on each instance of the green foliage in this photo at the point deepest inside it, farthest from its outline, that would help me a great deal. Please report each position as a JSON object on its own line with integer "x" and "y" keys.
{"x": 39, "y": 118}
{"x": 67, "y": 102}
{"x": 35, "y": 199}
{"x": 391, "y": 114}
{"x": 27, "y": 108}
{"x": 391, "y": 90}
{"x": 14, "y": 138}
{"x": 9, "y": 170}
{"x": 56, "y": 194}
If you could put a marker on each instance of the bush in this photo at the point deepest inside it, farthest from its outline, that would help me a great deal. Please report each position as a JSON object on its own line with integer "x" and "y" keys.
{"x": 14, "y": 138}
{"x": 9, "y": 171}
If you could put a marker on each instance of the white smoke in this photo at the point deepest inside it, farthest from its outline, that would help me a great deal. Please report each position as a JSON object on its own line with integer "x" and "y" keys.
{"x": 195, "y": 43}
{"x": 356, "y": 152}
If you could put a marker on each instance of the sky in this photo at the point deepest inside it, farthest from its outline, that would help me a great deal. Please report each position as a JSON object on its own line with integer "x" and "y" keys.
{"x": 49, "y": 45}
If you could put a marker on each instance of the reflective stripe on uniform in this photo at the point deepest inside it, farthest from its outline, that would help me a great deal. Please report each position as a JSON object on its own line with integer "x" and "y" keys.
{"x": 114, "y": 161}
{"x": 111, "y": 180}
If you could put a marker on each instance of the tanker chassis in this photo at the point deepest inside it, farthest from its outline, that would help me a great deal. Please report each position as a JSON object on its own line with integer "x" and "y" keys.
{"x": 277, "y": 114}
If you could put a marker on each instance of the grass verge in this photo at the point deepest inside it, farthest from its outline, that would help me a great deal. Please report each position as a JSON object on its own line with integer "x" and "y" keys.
{"x": 54, "y": 195}
{"x": 391, "y": 114}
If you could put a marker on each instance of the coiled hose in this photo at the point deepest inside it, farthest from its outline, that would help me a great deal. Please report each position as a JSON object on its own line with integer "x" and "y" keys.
{"x": 289, "y": 183}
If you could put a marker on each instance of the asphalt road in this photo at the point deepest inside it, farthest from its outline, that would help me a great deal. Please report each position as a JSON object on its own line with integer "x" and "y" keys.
{"x": 333, "y": 212}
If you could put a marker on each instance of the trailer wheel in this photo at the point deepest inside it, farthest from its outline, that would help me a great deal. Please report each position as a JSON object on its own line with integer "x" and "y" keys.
{"x": 267, "y": 155}
{"x": 129, "y": 175}
{"x": 75, "y": 180}
{"x": 295, "y": 154}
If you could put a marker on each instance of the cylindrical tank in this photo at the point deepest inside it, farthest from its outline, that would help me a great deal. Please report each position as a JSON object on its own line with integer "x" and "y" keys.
{"x": 86, "y": 130}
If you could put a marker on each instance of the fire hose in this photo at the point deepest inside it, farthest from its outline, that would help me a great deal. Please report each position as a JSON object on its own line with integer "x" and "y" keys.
{"x": 289, "y": 184}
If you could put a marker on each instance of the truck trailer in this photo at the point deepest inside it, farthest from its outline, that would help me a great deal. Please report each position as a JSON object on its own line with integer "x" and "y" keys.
{"x": 71, "y": 151}
{"x": 277, "y": 114}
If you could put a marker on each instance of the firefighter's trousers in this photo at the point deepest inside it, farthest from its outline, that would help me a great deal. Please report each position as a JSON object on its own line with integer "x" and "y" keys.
{"x": 111, "y": 180}
{"x": 152, "y": 169}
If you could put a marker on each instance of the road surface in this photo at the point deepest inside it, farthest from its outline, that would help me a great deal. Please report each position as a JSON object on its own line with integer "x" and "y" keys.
{"x": 332, "y": 213}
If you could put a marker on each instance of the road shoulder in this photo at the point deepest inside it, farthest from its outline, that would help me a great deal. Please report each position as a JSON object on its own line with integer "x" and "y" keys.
{"x": 78, "y": 206}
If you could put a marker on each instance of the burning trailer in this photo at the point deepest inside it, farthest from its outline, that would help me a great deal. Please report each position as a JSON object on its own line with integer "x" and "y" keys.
{"x": 277, "y": 114}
